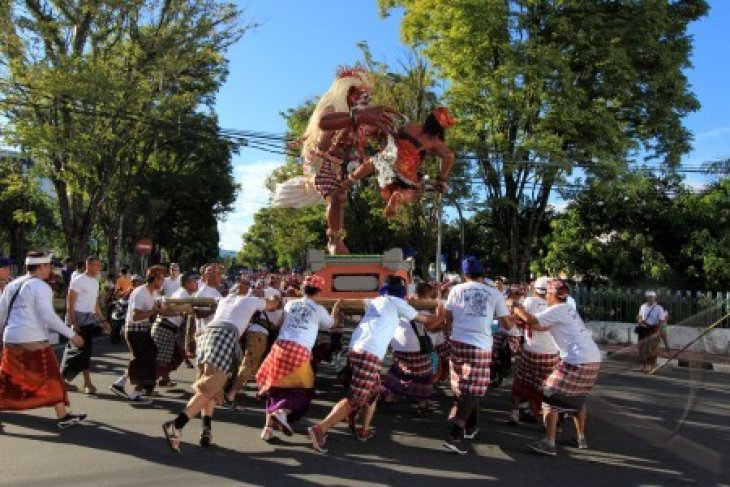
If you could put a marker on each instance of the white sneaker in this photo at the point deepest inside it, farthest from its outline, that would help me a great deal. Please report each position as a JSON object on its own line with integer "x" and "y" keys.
{"x": 280, "y": 417}
{"x": 514, "y": 418}
{"x": 267, "y": 433}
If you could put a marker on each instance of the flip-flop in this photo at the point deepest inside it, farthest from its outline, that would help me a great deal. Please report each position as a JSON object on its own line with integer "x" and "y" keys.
{"x": 173, "y": 441}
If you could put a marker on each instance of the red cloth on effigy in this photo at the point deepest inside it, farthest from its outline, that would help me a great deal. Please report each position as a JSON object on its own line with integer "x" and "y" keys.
{"x": 469, "y": 369}
{"x": 30, "y": 379}
{"x": 570, "y": 381}
{"x": 365, "y": 382}
{"x": 283, "y": 359}
{"x": 532, "y": 370}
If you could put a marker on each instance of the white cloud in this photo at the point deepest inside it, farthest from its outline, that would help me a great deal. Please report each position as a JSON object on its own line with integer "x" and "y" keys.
{"x": 252, "y": 196}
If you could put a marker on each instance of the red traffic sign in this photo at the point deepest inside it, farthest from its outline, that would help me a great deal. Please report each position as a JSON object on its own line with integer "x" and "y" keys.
{"x": 143, "y": 246}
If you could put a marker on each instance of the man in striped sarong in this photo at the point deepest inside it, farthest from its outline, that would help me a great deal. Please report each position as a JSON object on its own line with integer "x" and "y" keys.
{"x": 368, "y": 345}
{"x": 286, "y": 377}
{"x": 411, "y": 373}
{"x": 470, "y": 308}
{"x": 570, "y": 383}
{"x": 165, "y": 332}
{"x": 217, "y": 352}
{"x": 539, "y": 357}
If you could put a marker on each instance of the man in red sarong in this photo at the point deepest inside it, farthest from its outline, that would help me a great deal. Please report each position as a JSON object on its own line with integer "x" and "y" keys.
{"x": 29, "y": 374}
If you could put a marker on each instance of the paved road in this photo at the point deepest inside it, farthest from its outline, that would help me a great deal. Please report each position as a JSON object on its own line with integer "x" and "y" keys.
{"x": 666, "y": 430}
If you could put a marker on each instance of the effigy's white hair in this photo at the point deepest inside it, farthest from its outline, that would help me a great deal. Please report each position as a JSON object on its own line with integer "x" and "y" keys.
{"x": 335, "y": 99}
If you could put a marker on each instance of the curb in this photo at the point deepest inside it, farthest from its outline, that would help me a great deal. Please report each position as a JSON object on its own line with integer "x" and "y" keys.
{"x": 675, "y": 363}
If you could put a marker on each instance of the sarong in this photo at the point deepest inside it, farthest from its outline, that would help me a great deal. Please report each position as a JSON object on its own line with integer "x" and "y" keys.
{"x": 143, "y": 366}
{"x": 568, "y": 386}
{"x": 410, "y": 375}
{"x": 532, "y": 370}
{"x": 218, "y": 345}
{"x": 169, "y": 353}
{"x": 30, "y": 379}
{"x": 649, "y": 344}
{"x": 287, "y": 379}
{"x": 365, "y": 381}
{"x": 469, "y": 369}
{"x": 76, "y": 360}
{"x": 327, "y": 179}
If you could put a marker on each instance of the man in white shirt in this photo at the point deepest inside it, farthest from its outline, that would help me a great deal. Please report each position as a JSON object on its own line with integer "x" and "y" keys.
{"x": 83, "y": 313}
{"x": 368, "y": 346}
{"x": 286, "y": 377}
{"x": 211, "y": 280}
{"x": 216, "y": 355}
{"x": 470, "y": 309}
{"x": 539, "y": 357}
{"x": 569, "y": 384}
{"x": 142, "y": 368}
{"x": 257, "y": 340}
{"x": 172, "y": 282}
{"x": 29, "y": 374}
{"x": 166, "y": 329}
{"x": 650, "y": 320}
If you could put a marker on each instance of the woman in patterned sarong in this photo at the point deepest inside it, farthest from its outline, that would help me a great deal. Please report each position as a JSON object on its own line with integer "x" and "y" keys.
{"x": 286, "y": 377}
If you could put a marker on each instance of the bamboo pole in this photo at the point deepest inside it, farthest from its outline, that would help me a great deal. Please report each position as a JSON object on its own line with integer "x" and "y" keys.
{"x": 347, "y": 305}
{"x": 705, "y": 332}
{"x": 357, "y": 306}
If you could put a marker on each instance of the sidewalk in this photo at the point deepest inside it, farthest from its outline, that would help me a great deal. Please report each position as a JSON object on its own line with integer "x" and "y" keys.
{"x": 699, "y": 360}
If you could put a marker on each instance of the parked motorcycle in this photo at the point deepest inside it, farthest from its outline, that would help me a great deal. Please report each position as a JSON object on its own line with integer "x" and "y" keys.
{"x": 118, "y": 316}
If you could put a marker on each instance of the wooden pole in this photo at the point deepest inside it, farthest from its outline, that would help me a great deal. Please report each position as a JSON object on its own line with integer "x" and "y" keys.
{"x": 705, "y": 332}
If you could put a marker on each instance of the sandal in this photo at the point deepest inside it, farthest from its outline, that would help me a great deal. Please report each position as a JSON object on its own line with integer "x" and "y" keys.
{"x": 172, "y": 435}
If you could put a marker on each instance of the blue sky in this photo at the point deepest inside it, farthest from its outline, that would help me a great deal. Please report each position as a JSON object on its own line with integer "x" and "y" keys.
{"x": 293, "y": 54}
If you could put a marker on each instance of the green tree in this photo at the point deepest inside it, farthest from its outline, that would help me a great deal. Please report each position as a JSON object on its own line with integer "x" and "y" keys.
{"x": 707, "y": 228}
{"x": 24, "y": 207}
{"x": 90, "y": 84}
{"x": 541, "y": 87}
{"x": 625, "y": 230}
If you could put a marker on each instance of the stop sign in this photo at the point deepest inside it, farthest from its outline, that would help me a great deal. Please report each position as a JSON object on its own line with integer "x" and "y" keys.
{"x": 143, "y": 246}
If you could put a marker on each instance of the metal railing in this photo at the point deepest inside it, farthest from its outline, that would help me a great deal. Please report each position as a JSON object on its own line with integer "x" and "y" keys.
{"x": 688, "y": 308}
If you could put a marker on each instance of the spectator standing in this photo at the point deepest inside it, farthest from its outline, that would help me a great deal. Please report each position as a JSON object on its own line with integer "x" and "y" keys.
{"x": 83, "y": 313}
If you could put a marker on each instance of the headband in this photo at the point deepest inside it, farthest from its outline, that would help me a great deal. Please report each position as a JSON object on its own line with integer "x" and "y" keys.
{"x": 43, "y": 259}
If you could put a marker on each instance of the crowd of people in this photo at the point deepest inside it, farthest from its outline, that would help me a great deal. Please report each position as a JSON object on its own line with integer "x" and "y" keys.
{"x": 265, "y": 326}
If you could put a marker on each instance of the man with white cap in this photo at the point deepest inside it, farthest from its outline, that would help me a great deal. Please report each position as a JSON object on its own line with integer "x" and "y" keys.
{"x": 567, "y": 387}
{"x": 649, "y": 322}
{"x": 540, "y": 355}
{"x": 29, "y": 374}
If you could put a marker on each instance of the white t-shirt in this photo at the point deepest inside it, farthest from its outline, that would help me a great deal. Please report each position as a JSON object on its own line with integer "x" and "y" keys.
{"x": 377, "y": 327}
{"x": 274, "y": 316}
{"x": 142, "y": 300}
{"x": 171, "y": 285}
{"x": 574, "y": 340}
{"x": 303, "y": 318}
{"x": 32, "y": 315}
{"x": 205, "y": 291}
{"x": 538, "y": 341}
{"x": 405, "y": 339}
{"x": 238, "y": 310}
{"x": 87, "y": 293}
{"x": 474, "y": 306}
{"x": 652, "y": 314}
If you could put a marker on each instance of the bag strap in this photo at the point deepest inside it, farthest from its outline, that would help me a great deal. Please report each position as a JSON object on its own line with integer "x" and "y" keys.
{"x": 415, "y": 330}
{"x": 12, "y": 300}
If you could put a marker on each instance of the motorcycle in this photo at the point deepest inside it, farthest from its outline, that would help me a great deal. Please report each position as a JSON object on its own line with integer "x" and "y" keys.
{"x": 118, "y": 317}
